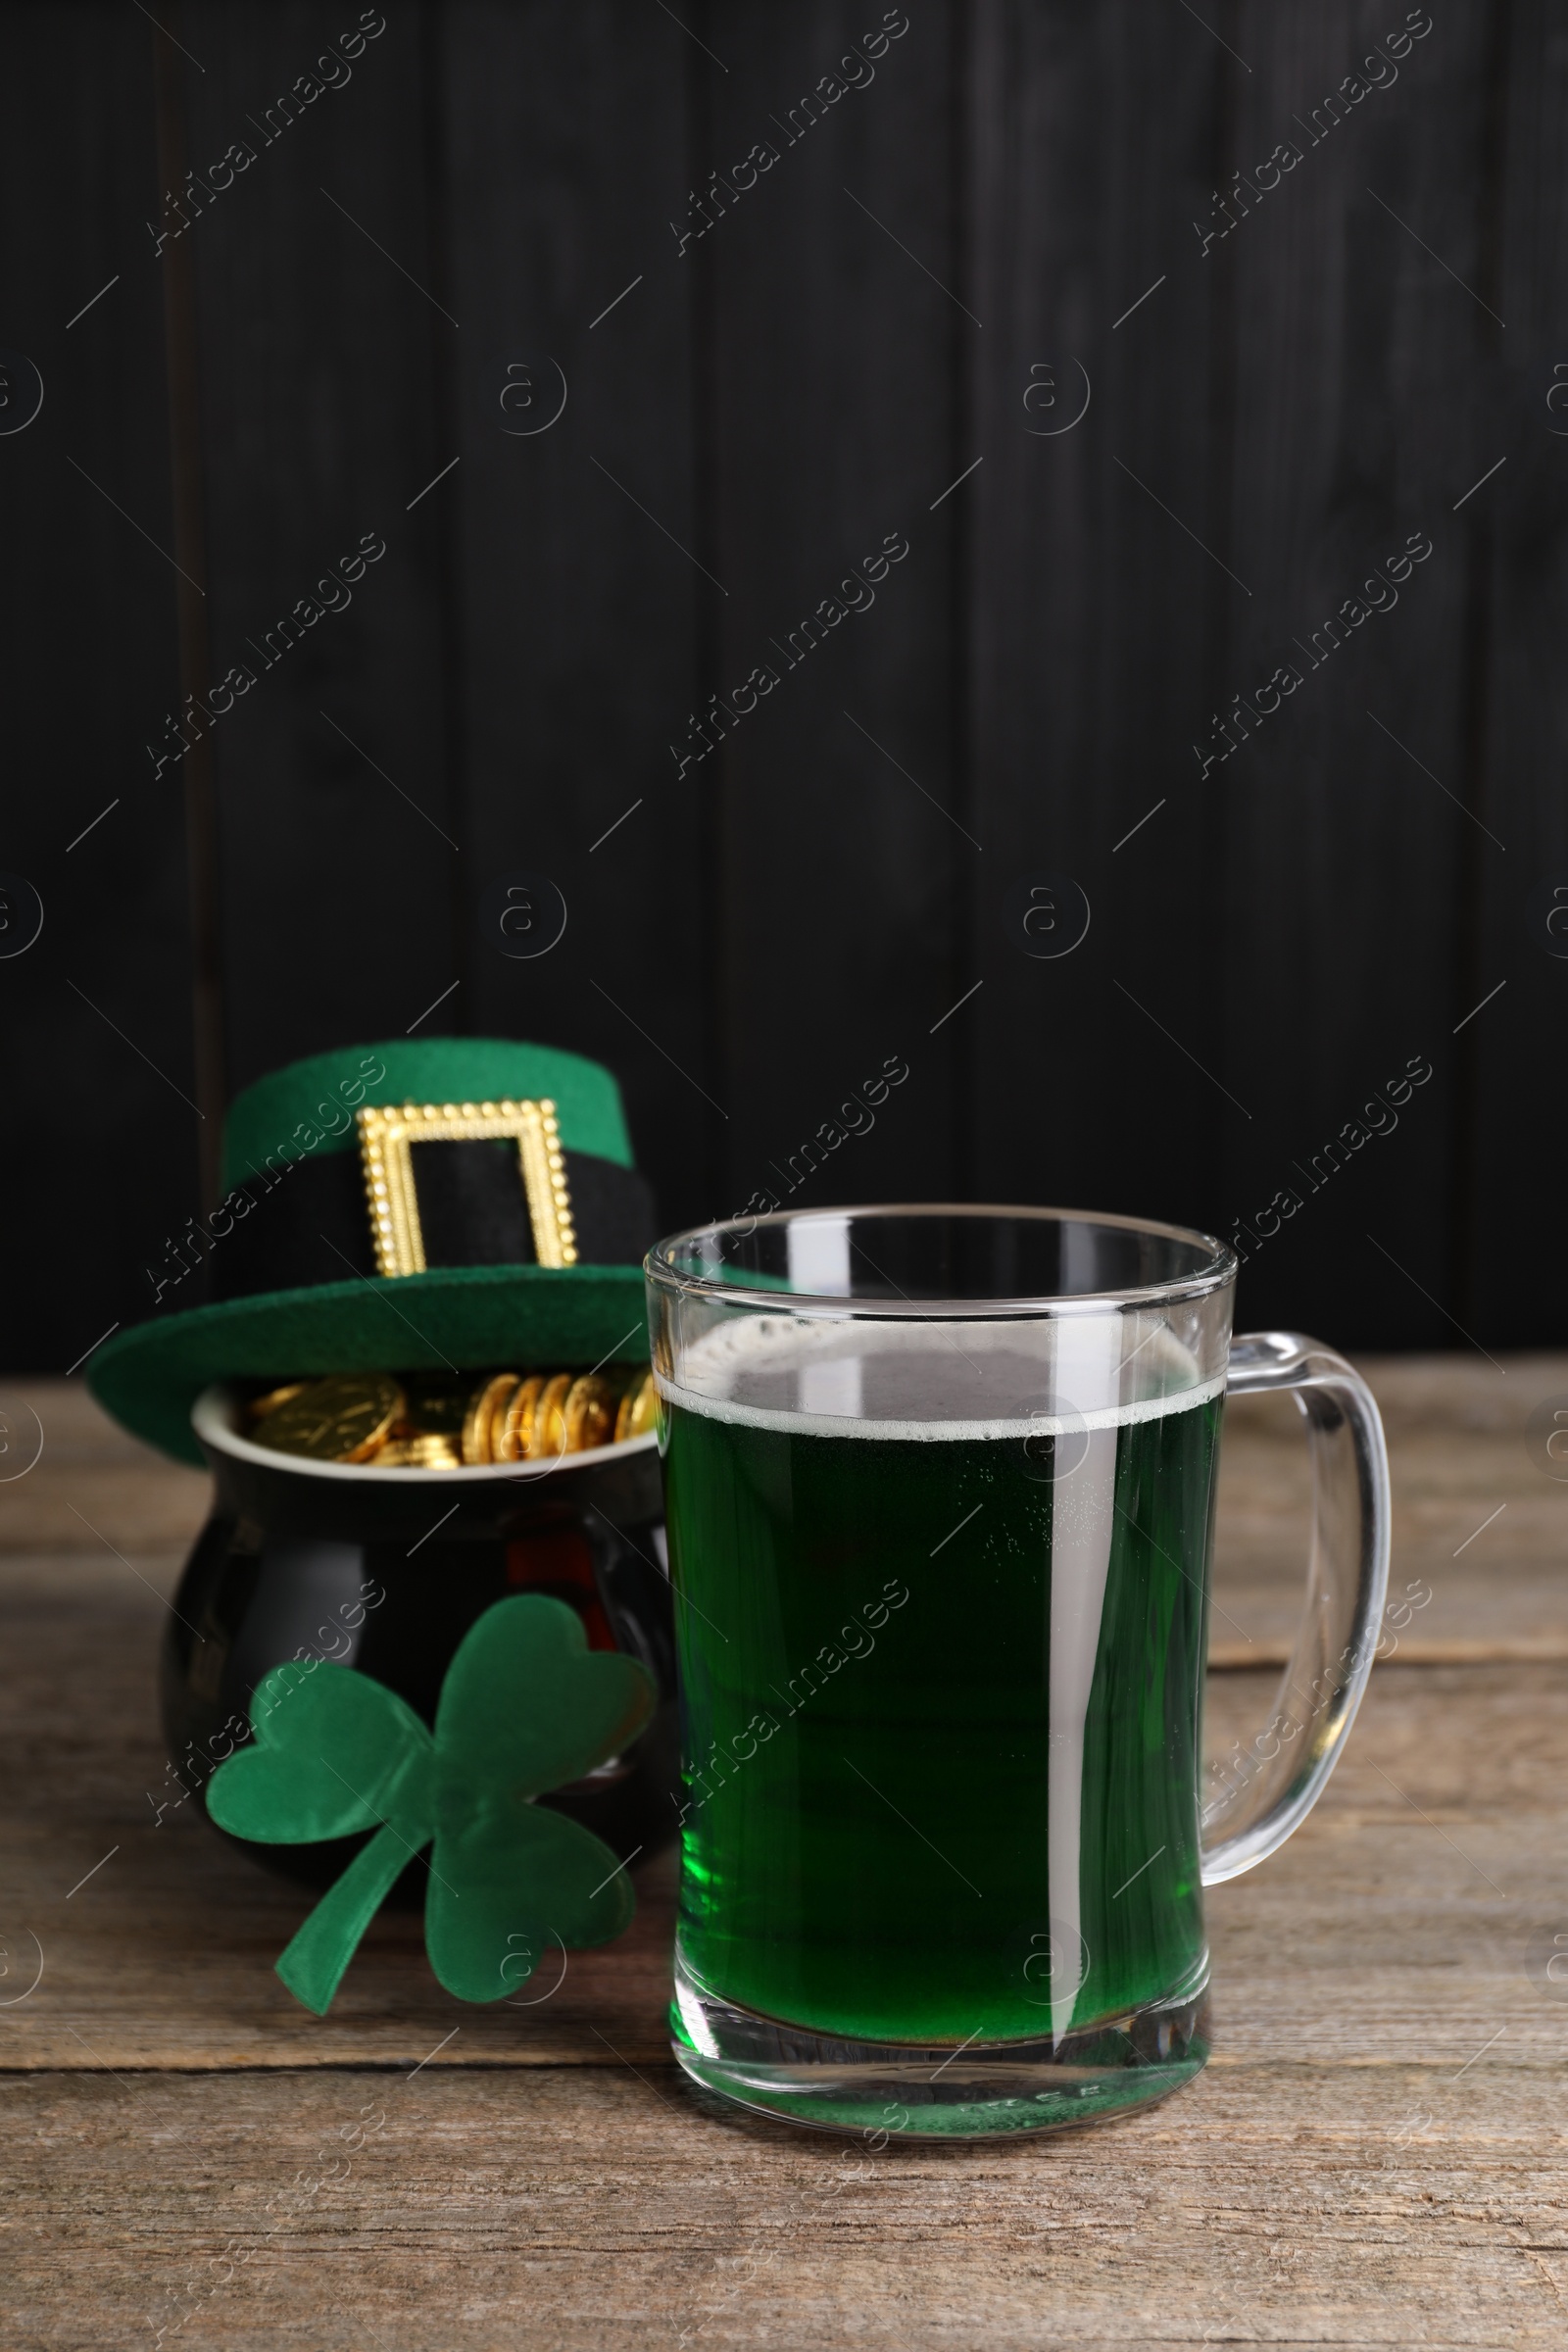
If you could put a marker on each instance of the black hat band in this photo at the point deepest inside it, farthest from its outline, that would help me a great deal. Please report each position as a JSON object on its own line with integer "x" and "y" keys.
{"x": 312, "y": 1224}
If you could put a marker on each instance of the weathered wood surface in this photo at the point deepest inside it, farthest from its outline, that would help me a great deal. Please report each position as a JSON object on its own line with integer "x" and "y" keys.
{"x": 582, "y": 2208}
{"x": 1456, "y": 1439}
{"x": 1376, "y": 2156}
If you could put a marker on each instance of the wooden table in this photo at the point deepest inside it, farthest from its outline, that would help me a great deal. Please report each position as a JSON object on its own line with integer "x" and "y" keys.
{"x": 1376, "y": 2155}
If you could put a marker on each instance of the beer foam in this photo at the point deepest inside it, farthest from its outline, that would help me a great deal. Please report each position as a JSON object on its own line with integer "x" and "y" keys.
{"x": 942, "y": 1379}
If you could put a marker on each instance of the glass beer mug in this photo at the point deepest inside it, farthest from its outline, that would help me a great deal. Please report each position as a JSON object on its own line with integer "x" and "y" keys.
{"x": 940, "y": 1488}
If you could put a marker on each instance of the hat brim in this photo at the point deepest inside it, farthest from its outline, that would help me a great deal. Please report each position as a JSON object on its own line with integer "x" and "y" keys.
{"x": 451, "y": 1317}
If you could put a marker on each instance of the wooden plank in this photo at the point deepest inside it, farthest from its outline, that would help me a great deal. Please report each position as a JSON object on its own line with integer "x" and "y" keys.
{"x": 1245, "y": 1656}
{"x": 87, "y": 607}
{"x": 828, "y": 414}
{"x": 1341, "y": 321}
{"x": 579, "y": 608}
{"x": 1521, "y": 552}
{"x": 321, "y": 333}
{"x": 1272, "y": 2202}
{"x": 1097, "y": 616}
{"x": 1480, "y": 1532}
{"x": 92, "y": 1470}
{"x": 1258, "y": 391}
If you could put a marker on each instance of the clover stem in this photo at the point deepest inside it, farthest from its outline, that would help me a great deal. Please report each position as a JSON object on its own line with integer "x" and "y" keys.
{"x": 314, "y": 1963}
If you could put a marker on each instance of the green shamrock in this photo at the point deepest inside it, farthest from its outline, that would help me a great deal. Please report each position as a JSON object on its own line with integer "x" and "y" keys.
{"x": 525, "y": 1706}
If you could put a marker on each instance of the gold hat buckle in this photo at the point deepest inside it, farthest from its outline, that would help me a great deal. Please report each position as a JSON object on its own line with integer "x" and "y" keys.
{"x": 387, "y": 1133}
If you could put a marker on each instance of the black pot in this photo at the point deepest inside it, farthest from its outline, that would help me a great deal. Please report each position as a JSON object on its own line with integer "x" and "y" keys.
{"x": 385, "y": 1572}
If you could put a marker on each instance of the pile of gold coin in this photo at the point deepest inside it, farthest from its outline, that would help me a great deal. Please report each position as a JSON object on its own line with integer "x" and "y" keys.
{"x": 425, "y": 1421}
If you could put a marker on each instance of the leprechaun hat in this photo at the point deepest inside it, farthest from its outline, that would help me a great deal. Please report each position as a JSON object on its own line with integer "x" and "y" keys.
{"x": 434, "y": 1202}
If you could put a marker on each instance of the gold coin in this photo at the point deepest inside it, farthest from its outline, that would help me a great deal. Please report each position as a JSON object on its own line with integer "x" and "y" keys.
{"x": 514, "y": 1422}
{"x": 431, "y": 1449}
{"x": 639, "y": 1407}
{"x": 479, "y": 1431}
{"x": 548, "y": 1437}
{"x": 342, "y": 1419}
{"x": 260, "y": 1406}
{"x": 437, "y": 1402}
{"x": 589, "y": 1413}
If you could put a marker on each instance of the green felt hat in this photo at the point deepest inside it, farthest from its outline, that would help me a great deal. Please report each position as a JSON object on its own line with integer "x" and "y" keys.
{"x": 498, "y": 1222}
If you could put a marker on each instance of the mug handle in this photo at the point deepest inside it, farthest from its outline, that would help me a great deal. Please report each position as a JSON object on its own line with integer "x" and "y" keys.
{"x": 1258, "y": 1795}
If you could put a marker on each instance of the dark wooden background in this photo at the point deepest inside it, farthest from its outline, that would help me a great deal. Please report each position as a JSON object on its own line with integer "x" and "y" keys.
{"x": 750, "y": 420}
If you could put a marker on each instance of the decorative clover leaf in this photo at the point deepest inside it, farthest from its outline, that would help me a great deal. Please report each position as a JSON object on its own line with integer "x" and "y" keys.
{"x": 526, "y": 1707}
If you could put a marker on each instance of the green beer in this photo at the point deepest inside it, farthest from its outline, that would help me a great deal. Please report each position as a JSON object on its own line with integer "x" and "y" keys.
{"x": 940, "y": 1496}
{"x": 942, "y": 1689}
